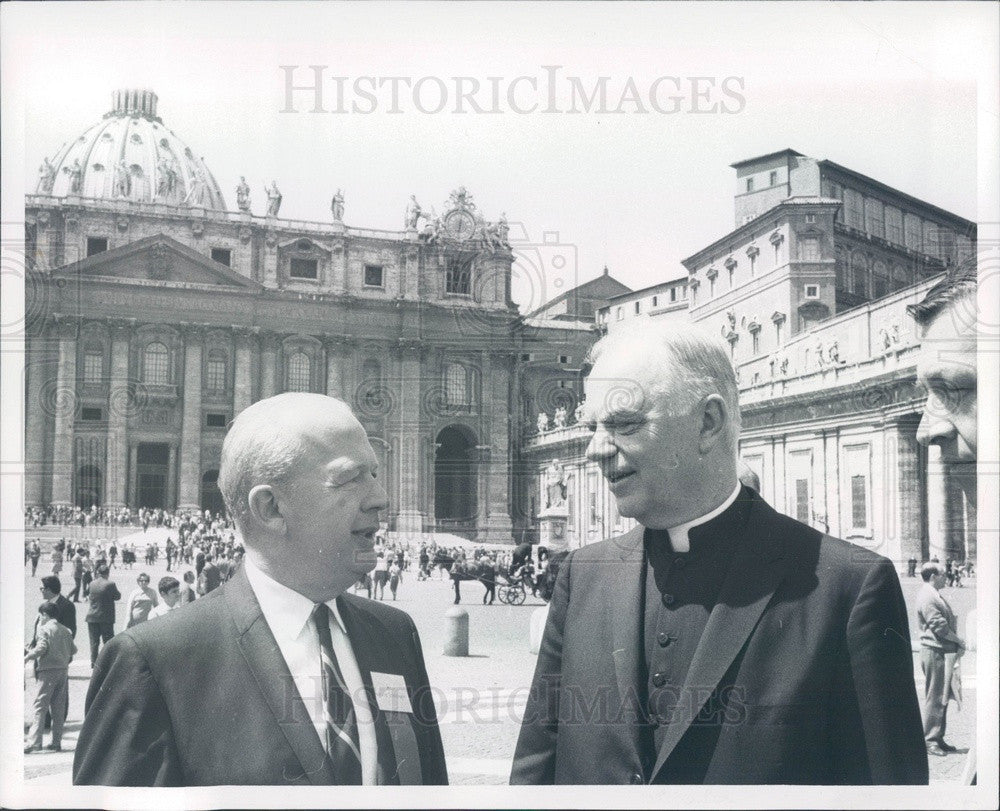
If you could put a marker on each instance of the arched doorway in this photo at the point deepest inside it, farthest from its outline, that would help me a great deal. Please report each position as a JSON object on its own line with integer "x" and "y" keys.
{"x": 211, "y": 496}
{"x": 88, "y": 487}
{"x": 455, "y": 480}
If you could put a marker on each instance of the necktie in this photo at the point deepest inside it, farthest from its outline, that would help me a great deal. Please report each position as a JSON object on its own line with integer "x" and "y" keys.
{"x": 341, "y": 744}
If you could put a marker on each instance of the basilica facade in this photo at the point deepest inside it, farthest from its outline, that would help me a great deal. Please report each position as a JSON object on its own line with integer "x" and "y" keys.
{"x": 155, "y": 314}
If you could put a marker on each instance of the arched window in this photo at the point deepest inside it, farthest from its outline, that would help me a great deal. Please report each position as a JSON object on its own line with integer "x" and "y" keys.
{"x": 215, "y": 378}
{"x": 298, "y": 372}
{"x": 456, "y": 384}
{"x": 156, "y": 364}
{"x": 93, "y": 363}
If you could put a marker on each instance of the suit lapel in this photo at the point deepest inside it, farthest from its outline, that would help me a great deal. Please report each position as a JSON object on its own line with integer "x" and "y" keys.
{"x": 263, "y": 657}
{"x": 758, "y": 568}
{"x": 368, "y": 636}
{"x": 627, "y": 613}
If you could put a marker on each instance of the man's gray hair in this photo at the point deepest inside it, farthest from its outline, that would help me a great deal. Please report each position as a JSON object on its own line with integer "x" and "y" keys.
{"x": 260, "y": 448}
{"x": 687, "y": 363}
{"x": 929, "y": 570}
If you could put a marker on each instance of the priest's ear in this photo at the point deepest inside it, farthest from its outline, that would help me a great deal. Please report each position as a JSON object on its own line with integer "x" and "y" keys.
{"x": 714, "y": 423}
{"x": 265, "y": 510}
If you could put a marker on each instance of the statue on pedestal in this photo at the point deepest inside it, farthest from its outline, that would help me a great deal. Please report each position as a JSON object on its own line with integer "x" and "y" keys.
{"x": 75, "y": 173}
{"x": 46, "y": 176}
{"x": 555, "y": 485}
{"x": 560, "y": 417}
{"x": 243, "y": 195}
{"x": 123, "y": 180}
{"x": 273, "y": 199}
{"x": 413, "y": 213}
{"x": 543, "y": 422}
{"x": 578, "y": 414}
{"x": 337, "y": 206}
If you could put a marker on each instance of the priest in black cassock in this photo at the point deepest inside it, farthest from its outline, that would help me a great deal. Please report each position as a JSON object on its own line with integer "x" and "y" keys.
{"x": 718, "y": 641}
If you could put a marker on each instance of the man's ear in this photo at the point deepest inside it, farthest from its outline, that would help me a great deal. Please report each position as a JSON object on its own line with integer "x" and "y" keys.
{"x": 264, "y": 509}
{"x": 714, "y": 416}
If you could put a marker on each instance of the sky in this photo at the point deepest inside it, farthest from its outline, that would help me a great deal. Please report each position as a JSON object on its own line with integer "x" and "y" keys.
{"x": 886, "y": 89}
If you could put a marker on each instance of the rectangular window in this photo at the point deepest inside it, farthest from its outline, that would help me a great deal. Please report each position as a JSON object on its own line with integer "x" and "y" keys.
{"x": 755, "y": 337}
{"x": 773, "y": 178}
{"x": 654, "y": 301}
{"x": 93, "y": 371}
{"x": 859, "y": 506}
{"x": 638, "y": 308}
{"x": 563, "y": 359}
{"x": 673, "y": 294}
{"x": 619, "y": 314}
{"x": 711, "y": 288}
{"x": 527, "y": 357}
{"x": 893, "y": 225}
{"x": 215, "y": 379}
{"x": 458, "y": 278}
{"x": 777, "y": 332}
{"x": 96, "y": 245}
{"x": 812, "y": 291}
{"x": 373, "y": 276}
{"x": 854, "y": 204}
{"x": 753, "y": 265}
{"x": 215, "y": 420}
{"x": 91, "y": 414}
{"x": 802, "y": 500}
{"x": 749, "y": 184}
{"x": 911, "y": 224}
{"x": 809, "y": 249}
{"x": 224, "y": 256}
{"x": 303, "y": 268}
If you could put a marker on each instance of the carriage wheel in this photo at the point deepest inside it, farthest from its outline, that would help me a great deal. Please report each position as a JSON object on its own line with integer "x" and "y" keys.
{"x": 503, "y": 592}
{"x": 517, "y": 595}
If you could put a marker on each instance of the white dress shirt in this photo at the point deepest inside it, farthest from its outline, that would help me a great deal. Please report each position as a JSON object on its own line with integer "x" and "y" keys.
{"x": 289, "y": 615}
{"x": 679, "y": 540}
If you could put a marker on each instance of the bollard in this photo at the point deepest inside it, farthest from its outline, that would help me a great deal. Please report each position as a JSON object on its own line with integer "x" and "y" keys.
{"x": 456, "y": 632}
{"x": 537, "y": 627}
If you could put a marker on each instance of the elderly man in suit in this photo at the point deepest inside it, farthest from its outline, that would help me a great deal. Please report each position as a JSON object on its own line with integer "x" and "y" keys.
{"x": 717, "y": 642}
{"x": 278, "y": 677}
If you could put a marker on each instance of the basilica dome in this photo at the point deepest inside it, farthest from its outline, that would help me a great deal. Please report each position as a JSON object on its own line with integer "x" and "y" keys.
{"x": 131, "y": 155}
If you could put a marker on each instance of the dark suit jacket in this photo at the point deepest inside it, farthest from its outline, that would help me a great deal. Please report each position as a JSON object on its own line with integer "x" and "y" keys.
{"x": 66, "y": 613}
{"x": 102, "y": 596}
{"x": 803, "y": 674}
{"x": 202, "y": 696}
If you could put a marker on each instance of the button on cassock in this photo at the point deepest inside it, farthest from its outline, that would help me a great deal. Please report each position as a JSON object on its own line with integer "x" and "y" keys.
{"x": 659, "y": 679}
{"x": 668, "y": 599}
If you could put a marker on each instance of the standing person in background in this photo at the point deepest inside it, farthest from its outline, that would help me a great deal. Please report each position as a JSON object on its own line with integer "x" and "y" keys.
{"x": 141, "y": 601}
{"x": 34, "y": 554}
{"x": 170, "y": 596}
{"x": 77, "y": 563}
{"x": 381, "y": 574}
{"x": 65, "y": 610}
{"x": 939, "y": 640}
{"x": 395, "y": 575}
{"x": 52, "y": 652}
{"x": 488, "y": 577}
{"x": 101, "y": 615}
{"x": 187, "y": 590}
{"x": 210, "y": 578}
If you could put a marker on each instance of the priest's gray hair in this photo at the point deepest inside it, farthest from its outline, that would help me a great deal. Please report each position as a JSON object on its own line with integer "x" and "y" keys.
{"x": 686, "y": 363}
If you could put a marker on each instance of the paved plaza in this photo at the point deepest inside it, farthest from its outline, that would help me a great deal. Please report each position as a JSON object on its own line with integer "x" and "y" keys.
{"x": 480, "y": 698}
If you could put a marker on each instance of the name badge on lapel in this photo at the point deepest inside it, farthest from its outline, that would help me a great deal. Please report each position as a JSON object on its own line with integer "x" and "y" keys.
{"x": 390, "y": 692}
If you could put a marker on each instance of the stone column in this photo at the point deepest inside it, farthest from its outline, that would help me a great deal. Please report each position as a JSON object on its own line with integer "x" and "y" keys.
{"x": 905, "y": 517}
{"x": 132, "y": 497}
{"x": 411, "y": 273}
{"x": 64, "y": 408}
{"x": 119, "y": 407}
{"x": 407, "y": 388}
{"x": 190, "y": 468}
{"x": 242, "y": 380}
{"x": 937, "y": 505}
{"x": 268, "y": 364}
{"x": 172, "y": 478}
{"x": 334, "y": 368}
{"x": 40, "y": 365}
{"x": 495, "y": 392}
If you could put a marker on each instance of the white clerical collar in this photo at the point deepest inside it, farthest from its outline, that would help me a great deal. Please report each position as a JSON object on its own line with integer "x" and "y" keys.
{"x": 679, "y": 540}
{"x": 287, "y": 612}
